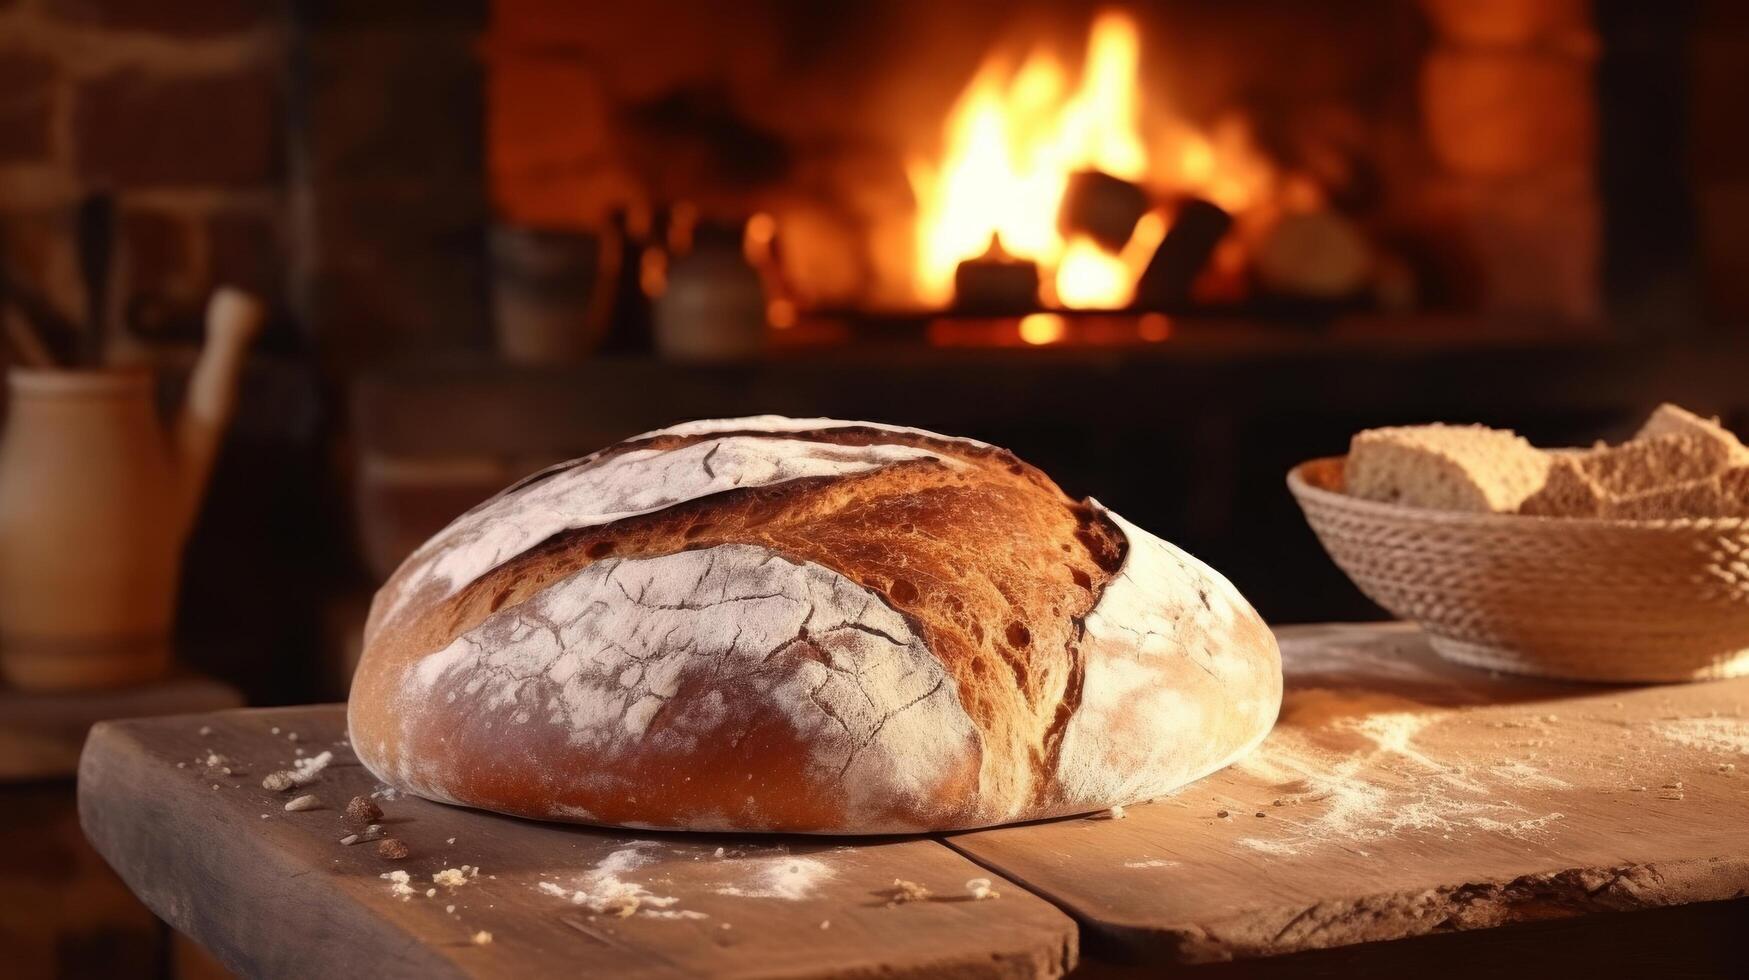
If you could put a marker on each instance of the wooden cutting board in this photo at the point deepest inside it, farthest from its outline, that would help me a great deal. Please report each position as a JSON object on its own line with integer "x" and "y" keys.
{"x": 275, "y": 894}
{"x": 1401, "y": 797}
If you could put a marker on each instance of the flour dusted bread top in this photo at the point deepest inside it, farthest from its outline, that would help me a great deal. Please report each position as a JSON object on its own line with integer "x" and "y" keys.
{"x": 804, "y": 625}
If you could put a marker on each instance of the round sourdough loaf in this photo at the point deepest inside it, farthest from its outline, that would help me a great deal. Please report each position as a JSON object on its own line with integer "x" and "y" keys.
{"x": 804, "y": 625}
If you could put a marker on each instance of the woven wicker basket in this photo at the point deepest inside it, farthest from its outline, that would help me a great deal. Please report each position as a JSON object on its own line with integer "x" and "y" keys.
{"x": 1602, "y": 600}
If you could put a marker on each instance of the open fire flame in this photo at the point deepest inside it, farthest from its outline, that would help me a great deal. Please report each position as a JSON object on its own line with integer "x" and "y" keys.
{"x": 1013, "y": 139}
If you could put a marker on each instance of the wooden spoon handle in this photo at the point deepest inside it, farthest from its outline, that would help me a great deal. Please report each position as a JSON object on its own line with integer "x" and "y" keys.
{"x": 232, "y": 321}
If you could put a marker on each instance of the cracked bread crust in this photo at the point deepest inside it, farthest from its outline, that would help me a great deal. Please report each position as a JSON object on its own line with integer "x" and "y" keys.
{"x": 928, "y": 636}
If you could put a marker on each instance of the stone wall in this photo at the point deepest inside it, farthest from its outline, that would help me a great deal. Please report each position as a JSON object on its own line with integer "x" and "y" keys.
{"x": 388, "y": 189}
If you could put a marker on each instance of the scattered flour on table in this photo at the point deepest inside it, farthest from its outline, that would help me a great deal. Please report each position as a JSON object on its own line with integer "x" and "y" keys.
{"x": 786, "y": 877}
{"x": 1720, "y": 734}
{"x": 309, "y": 768}
{"x": 453, "y": 878}
{"x": 1151, "y": 863}
{"x": 1525, "y": 775}
{"x": 400, "y": 884}
{"x": 601, "y": 889}
{"x": 1387, "y": 784}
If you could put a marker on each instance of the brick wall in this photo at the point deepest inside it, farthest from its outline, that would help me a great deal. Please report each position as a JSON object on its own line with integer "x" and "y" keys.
{"x": 177, "y": 108}
{"x": 388, "y": 189}
{"x": 1719, "y": 155}
{"x": 1509, "y": 116}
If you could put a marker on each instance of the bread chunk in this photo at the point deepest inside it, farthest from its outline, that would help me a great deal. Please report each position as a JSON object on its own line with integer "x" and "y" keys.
{"x": 1445, "y": 467}
{"x": 1734, "y": 485}
{"x": 1694, "y": 498}
{"x": 1654, "y": 463}
{"x": 1567, "y": 491}
{"x": 1670, "y": 419}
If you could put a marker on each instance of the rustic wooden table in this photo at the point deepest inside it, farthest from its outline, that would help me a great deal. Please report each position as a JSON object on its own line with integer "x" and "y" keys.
{"x": 1405, "y": 813}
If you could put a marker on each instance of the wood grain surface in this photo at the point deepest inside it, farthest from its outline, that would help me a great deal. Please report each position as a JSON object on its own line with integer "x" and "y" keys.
{"x": 1414, "y": 814}
{"x": 1402, "y": 796}
{"x": 275, "y": 894}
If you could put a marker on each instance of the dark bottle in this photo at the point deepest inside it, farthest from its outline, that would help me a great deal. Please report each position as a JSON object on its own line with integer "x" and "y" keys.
{"x": 642, "y": 264}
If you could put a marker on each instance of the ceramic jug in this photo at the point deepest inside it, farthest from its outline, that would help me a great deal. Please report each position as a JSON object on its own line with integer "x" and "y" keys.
{"x": 96, "y": 500}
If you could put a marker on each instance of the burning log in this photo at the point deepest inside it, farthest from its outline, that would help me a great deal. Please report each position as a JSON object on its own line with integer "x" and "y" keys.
{"x": 1102, "y": 207}
{"x": 1196, "y": 229}
{"x": 996, "y": 283}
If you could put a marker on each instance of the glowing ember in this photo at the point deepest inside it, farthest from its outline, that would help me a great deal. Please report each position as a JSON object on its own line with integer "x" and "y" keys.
{"x": 1014, "y": 138}
{"x": 1043, "y": 328}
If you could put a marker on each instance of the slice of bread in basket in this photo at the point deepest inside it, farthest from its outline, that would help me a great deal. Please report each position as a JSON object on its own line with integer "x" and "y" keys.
{"x": 1695, "y": 498}
{"x": 1445, "y": 467}
{"x": 1567, "y": 491}
{"x": 1670, "y": 419}
{"x": 1655, "y": 462}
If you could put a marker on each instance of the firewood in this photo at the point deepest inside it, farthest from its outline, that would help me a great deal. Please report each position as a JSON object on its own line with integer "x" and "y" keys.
{"x": 1196, "y": 229}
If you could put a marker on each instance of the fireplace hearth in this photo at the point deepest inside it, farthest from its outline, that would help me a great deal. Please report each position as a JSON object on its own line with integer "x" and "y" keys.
{"x": 1370, "y": 156}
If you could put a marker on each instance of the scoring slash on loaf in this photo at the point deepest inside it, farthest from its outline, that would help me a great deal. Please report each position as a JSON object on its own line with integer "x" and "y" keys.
{"x": 804, "y": 625}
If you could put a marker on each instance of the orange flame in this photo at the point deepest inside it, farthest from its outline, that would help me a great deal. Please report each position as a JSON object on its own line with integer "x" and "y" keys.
{"x": 1011, "y": 142}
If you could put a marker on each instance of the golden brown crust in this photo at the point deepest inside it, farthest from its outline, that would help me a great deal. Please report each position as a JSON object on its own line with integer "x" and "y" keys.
{"x": 989, "y": 565}
{"x": 991, "y": 562}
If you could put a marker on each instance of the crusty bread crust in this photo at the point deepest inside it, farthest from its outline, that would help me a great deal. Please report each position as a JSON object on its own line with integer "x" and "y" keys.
{"x": 963, "y": 574}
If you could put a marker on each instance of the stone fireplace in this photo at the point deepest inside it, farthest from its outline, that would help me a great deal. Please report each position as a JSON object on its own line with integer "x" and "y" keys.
{"x": 1459, "y": 139}
{"x": 1501, "y": 158}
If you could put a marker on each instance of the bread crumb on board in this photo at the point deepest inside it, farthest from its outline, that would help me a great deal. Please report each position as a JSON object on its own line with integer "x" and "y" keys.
{"x": 453, "y": 877}
{"x": 980, "y": 890}
{"x": 391, "y": 849}
{"x": 907, "y": 891}
{"x": 482, "y": 938}
{"x": 302, "y": 773}
{"x": 400, "y": 884}
{"x": 309, "y": 801}
{"x": 361, "y": 812}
